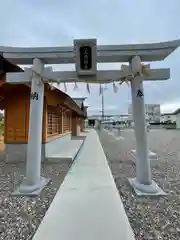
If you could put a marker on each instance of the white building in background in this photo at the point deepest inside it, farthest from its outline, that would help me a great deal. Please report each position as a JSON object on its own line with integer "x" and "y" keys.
{"x": 168, "y": 117}
{"x": 177, "y": 114}
{"x": 173, "y": 117}
{"x": 120, "y": 117}
{"x": 153, "y": 112}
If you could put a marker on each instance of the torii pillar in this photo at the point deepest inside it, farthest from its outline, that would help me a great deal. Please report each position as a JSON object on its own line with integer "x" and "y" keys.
{"x": 34, "y": 183}
{"x": 143, "y": 183}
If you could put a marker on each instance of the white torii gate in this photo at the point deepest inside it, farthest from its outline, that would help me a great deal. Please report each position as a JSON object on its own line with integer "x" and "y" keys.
{"x": 135, "y": 73}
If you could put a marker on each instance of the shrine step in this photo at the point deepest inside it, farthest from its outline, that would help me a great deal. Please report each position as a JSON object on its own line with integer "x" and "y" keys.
{"x": 87, "y": 205}
{"x": 67, "y": 152}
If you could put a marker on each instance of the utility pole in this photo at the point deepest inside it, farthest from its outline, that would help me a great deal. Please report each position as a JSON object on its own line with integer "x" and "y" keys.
{"x": 102, "y": 104}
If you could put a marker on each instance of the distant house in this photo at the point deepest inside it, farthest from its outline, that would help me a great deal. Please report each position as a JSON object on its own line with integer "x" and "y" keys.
{"x": 153, "y": 112}
{"x": 177, "y": 114}
{"x": 168, "y": 117}
{"x": 91, "y": 120}
{"x": 80, "y": 102}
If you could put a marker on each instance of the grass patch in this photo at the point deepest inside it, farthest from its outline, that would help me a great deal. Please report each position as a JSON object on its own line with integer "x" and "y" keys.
{"x": 1, "y": 127}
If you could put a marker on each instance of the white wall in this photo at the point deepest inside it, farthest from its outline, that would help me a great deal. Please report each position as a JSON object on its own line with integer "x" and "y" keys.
{"x": 153, "y": 111}
{"x": 170, "y": 117}
{"x": 178, "y": 121}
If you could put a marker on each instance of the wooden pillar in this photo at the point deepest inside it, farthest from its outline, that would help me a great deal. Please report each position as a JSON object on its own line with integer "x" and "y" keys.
{"x": 74, "y": 129}
{"x": 70, "y": 121}
{"x": 45, "y": 122}
{"x": 62, "y": 119}
{"x": 69, "y": 127}
{"x": 82, "y": 124}
{"x": 78, "y": 125}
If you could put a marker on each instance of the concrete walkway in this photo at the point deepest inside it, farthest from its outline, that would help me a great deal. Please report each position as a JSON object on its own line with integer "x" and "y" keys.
{"x": 67, "y": 152}
{"x": 87, "y": 205}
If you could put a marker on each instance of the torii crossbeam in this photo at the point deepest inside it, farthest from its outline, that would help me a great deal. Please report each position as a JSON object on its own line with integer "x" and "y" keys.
{"x": 103, "y": 76}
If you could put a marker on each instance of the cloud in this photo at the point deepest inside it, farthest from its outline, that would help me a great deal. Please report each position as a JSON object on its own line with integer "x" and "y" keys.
{"x": 170, "y": 107}
{"x": 108, "y": 108}
{"x": 57, "y": 23}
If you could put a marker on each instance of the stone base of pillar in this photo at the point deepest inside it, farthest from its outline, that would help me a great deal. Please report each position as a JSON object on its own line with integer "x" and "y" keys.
{"x": 152, "y": 156}
{"x": 110, "y": 133}
{"x": 118, "y": 135}
{"x": 145, "y": 190}
{"x": 31, "y": 190}
{"x": 119, "y": 138}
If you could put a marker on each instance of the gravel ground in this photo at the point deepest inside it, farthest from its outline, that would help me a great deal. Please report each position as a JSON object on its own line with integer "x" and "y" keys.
{"x": 154, "y": 218}
{"x": 21, "y": 216}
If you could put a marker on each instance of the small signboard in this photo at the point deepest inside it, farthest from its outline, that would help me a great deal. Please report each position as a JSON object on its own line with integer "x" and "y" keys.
{"x": 85, "y": 57}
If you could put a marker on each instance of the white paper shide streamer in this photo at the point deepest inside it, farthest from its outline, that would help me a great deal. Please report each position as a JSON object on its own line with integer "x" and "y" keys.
{"x": 88, "y": 87}
{"x": 51, "y": 86}
{"x": 100, "y": 89}
{"x": 105, "y": 88}
{"x": 65, "y": 87}
{"x": 58, "y": 81}
{"x": 75, "y": 86}
{"x": 115, "y": 88}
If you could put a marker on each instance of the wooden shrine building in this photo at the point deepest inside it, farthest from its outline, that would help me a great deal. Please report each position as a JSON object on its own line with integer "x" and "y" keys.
{"x": 63, "y": 117}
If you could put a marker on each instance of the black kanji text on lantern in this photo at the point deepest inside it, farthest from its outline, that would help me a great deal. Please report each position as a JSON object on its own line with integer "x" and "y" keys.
{"x": 34, "y": 96}
{"x": 85, "y": 57}
{"x": 140, "y": 93}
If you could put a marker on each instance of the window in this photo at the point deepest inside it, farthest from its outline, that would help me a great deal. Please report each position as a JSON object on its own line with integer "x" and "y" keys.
{"x": 69, "y": 121}
{"x": 66, "y": 121}
{"x": 54, "y": 123}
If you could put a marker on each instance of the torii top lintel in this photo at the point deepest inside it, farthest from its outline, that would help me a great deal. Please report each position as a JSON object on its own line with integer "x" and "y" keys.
{"x": 105, "y": 53}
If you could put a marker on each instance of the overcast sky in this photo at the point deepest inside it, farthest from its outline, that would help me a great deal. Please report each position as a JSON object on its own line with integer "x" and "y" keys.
{"x": 57, "y": 22}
